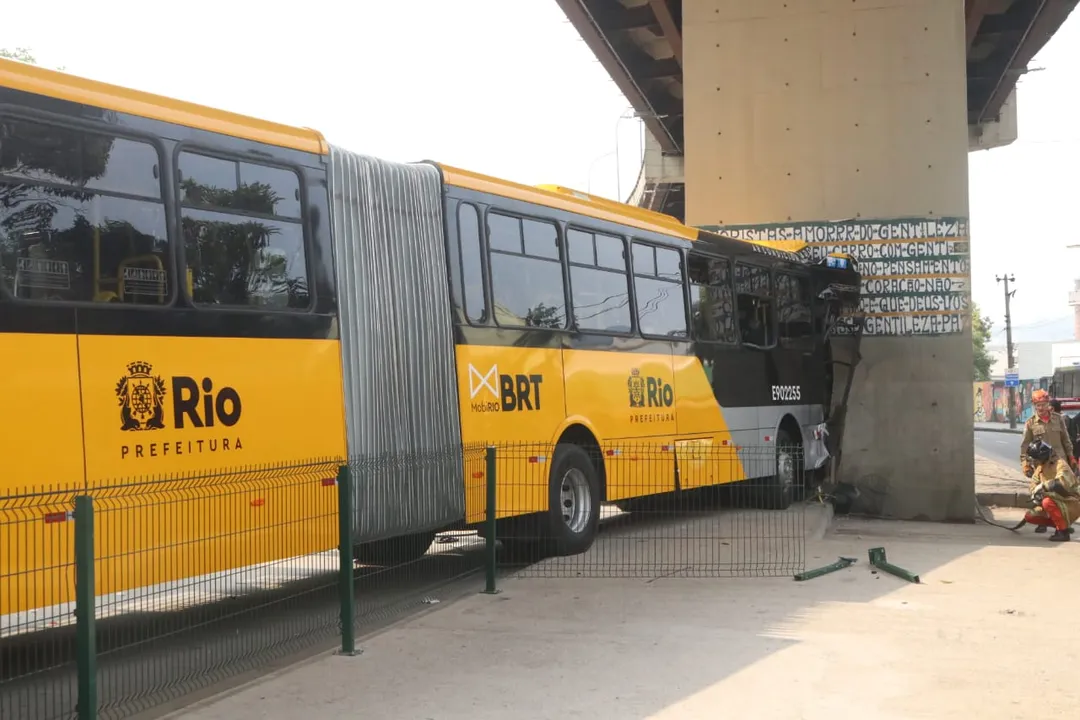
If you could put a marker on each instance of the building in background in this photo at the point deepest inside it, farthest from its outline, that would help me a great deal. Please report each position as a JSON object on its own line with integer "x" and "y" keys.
{"x": 1074, "y": 302}
{"x": 1034, "y": 360}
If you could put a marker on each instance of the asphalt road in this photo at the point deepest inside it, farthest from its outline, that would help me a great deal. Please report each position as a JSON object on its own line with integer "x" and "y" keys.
{"x": 999, "y": 447}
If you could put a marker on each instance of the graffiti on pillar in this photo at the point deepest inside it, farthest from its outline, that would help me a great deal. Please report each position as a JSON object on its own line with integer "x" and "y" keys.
{"x": 915, "y": 271}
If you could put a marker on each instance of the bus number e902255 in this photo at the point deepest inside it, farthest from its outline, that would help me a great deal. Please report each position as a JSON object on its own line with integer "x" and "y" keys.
{"x": 786, "y": 393}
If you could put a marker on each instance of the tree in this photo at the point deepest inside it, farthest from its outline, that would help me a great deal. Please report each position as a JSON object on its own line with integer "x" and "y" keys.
{"x": 27, "y": 208}
{"x": 233, "y": 260}
{"x": 544, "y": 316}
{"x": 980, "y": 335}
{"x": 20, "y": 54}
{"x": 236, "y": 260}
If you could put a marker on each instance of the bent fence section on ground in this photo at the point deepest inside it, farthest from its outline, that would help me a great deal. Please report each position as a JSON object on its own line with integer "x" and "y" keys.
{"x": 118, "y": 597}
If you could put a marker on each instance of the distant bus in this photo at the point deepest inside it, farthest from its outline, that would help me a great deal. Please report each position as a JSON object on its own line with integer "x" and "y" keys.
{"x": 1066, "y": 388}
{"x": 186, "y": 290}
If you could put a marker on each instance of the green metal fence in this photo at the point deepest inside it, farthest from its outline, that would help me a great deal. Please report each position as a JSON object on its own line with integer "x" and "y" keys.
{"x": 37, "y": 581}
{"x": 119, "y": 597}
{"x": 731, "y": 515}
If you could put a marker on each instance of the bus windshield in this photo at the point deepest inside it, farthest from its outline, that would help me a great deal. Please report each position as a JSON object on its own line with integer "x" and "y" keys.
{"x": 1065, "y": 383}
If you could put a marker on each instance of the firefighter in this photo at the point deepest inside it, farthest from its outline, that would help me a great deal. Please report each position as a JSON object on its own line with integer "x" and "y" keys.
{"x": 1071, "y": 425}
{"x": 1045, "y": 426}
{"x": 1055, "y": 492}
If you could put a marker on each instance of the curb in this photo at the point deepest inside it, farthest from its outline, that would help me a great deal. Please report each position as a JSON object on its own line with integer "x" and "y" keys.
{"x": 1017, "y": 431}
{"x": 1009, "y": 500}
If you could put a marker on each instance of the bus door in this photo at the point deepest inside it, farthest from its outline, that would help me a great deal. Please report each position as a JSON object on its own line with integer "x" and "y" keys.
{"x": 650, "y": 429}
{"x": 797, "y": 388}
{"x": 756, "y": 369}
{"x": 708, "y": 413}
{"x": 45, "y": 252}
{"x": 41, "y": 444}
{"x": 124, "y": 259}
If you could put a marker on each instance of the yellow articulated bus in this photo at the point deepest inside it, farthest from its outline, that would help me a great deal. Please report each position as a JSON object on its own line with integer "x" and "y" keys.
{"x": 184, "y": 289}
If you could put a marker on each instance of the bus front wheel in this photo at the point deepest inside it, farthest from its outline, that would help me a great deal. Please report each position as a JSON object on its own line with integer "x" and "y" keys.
{"x": 574, "y": 500}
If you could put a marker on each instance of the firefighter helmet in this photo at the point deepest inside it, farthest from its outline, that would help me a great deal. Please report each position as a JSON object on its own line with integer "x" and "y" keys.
{"x": 1039, "y": 451}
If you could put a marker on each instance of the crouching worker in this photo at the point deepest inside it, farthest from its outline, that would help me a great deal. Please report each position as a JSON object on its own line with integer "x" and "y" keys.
{"x": 1055, "y": 492}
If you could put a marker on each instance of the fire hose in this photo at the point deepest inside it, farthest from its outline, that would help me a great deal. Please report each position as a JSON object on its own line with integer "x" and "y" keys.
{"x": 1037, "y": 496}
{"x": 988, "y": 521}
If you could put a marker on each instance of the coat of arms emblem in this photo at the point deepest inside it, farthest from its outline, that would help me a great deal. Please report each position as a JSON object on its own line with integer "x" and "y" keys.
{"x": 141, "y": 395}
{"x": 636, "y": 386}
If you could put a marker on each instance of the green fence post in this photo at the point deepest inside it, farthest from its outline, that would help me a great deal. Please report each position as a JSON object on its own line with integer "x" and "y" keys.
{"x": 345, "y": 553}
{"x": 489, "y": 521}
{"x": 85, "y": 615}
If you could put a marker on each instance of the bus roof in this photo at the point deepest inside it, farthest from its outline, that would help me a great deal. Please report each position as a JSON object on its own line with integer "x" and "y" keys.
{"x": 643, "y": 213}
{"x": 55, "y": 84}
{"x": 555, "y": 196}
{"x": 788, "y": 246}
{"x": 564, "y": 198}
{"x": 63, "y": 86}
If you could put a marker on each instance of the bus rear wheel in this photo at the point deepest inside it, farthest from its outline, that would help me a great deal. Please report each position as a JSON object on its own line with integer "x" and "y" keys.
{"x": 394, "y": 551}
{"x": 781, "y": 487}
{"x": 573, "y": 517}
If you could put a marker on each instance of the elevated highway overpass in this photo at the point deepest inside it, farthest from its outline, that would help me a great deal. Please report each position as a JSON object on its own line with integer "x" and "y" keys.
{"x": 846, "y": 123}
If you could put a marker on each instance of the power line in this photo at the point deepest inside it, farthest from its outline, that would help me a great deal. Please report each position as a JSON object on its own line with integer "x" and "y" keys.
{"x": 1036, "y": 324}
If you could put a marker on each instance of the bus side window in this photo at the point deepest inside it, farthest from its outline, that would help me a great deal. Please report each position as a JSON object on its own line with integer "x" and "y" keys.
{"x": 81, "y": 217}
{"x": 754, "y": 303}
{"x": 599, "y": 286}
{"x": 243, "y": 234}
{"x": 472, "y": 269}
{"x": 526, "y": 272}
{"x": 712, "y": 302}
{"x": 793, "y": 306}
{"x": 658, "y": 285}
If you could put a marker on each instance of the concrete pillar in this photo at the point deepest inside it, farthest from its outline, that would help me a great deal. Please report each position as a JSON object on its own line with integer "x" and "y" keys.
{"x": 844, "y": 122}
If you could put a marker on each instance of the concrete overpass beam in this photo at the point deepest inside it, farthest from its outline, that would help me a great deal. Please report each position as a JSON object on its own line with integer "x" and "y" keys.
{"x": 996, "y": 133}
{"x": 844, "y": 122}
{"x": 660, "y": 167}
{"x": 660, "y": 175}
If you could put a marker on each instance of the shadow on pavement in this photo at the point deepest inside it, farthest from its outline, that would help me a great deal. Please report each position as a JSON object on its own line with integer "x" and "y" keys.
{"x": 670, "y": 648}
{"x": 146, "y": 659}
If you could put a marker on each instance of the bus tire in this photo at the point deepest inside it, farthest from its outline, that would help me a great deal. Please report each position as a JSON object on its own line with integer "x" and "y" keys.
{"x": 573, "y": 501}
{"x": 395, "y": 550}
{"x": 781, "y": 486}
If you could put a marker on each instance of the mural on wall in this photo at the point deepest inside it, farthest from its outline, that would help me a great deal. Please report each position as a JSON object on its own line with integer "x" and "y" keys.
{"x": 992, "y": 400}
{"x": 915, "y": 271}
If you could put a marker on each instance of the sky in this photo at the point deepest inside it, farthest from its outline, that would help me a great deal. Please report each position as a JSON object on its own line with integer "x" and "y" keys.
{"x": 509, "y": 89}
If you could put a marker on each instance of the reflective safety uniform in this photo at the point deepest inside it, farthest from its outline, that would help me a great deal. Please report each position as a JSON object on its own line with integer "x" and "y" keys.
{"x": 1058, "y": 509}
{"x": 1052, "y": 431}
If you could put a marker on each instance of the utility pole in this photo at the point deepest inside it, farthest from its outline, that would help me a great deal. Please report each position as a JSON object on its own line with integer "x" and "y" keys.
{"x": 1009, "y": 343}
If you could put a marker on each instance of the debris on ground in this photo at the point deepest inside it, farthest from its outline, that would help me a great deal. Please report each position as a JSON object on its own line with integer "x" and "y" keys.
{"x": 840, "y": 564}
{"x": 878, "y": 560}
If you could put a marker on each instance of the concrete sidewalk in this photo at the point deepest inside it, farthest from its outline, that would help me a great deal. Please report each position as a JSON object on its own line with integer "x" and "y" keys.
{"x": 997, "y": 485}
{"x": 852, "y": 644}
